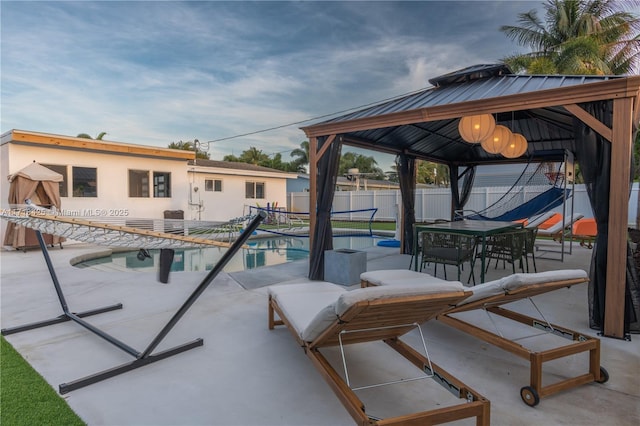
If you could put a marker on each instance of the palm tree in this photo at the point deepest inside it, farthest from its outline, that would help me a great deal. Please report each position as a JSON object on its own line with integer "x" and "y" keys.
{"x": 188, "y": 146}
{"x": 303, "y": 155}
{"x": 87, "y": 136}
{"x": 254, "y": 156}
{"x": 432, "y": 173}
{"x": 364, "y": 164}
{"x": 577, "y": 37}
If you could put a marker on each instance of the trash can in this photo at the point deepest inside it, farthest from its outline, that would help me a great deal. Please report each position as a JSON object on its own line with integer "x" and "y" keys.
{"x": 344, "y": 266}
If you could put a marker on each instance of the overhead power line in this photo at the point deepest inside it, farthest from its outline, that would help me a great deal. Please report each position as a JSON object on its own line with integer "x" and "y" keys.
{"x": 313, "y": 118}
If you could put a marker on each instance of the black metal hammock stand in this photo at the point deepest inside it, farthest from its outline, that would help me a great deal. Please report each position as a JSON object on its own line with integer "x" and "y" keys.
{"x": 511, "y": 205}
{"x": 145, "y": 356}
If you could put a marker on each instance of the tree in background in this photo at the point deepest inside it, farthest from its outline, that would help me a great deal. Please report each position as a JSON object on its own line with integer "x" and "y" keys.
{"x": 189, "y": 146}
{"x": 87, "y": 136}
{"x": 577, "y": 37}
{"x": 432, "y": 173}
{"x": 302, "y": 155}
{"x": 256, "y": 157}
{"x": 364, "y": 164}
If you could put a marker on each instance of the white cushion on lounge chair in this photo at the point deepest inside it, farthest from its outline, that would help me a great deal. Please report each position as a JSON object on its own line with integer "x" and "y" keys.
{"x": 312, "y": 307}
{"x": 514, "y": 281}
{"x": 304, "y": 303}
{"x": 398, "y": 276}
{"x": 349, "y": 298}
{"x": 481, "y": 291}
{"x": 384, "y": 275}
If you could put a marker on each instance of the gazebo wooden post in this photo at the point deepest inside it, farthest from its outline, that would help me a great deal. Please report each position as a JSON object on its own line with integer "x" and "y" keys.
{"x": 618, "y": 215}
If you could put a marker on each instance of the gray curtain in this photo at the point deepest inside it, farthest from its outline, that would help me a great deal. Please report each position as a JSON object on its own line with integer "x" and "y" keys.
{"x": 459, "y": 197}
{"x": 593, "y": 154}
{"x": 327, "y": 174}
{"x": 406, "y": 168}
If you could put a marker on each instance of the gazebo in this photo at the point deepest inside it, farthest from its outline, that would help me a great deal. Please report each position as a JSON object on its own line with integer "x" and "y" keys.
{"x": 593, "y": 118}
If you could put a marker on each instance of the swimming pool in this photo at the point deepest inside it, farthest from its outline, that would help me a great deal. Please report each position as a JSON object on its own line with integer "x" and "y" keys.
{"x": 261, "y": 252}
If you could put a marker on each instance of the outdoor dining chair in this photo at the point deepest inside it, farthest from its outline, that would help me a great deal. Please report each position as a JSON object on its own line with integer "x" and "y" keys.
{"x": 448, "y": 249}
{"x": 418, "y": 251}
{"x": 508, "y": 247}
{"x": 530, "y": 235}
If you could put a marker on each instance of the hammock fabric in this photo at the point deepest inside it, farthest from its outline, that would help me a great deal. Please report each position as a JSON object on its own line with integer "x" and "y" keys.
{"x": 111, "y": 235}
{"x": 553, "y": 197}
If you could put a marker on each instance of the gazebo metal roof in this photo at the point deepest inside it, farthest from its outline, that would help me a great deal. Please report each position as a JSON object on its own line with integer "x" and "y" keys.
{"x": 549, "y": 130}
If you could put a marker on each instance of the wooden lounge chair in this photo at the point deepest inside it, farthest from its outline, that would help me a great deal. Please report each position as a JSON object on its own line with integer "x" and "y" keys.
{"x": 491, "y": 297}
{"x": 321, "y": 315}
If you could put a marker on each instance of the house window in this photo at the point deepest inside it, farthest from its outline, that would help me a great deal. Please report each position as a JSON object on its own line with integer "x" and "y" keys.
{"x": 254, "y": 190}
{"x": 161, "y": 185}
{"x": 214, "y": 185}
{"x": 63, "y": 171}
{"x": 138, "y": 183}
{"x": 85, "y": 182}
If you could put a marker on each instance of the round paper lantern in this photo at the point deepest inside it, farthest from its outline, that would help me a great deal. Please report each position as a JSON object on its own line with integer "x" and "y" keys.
{"x": 475, "y": 128}
{"x": 516, "y": 147}
{"x": 498, "y": 141}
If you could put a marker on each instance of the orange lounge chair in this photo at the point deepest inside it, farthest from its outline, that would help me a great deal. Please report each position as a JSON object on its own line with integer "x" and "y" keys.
{"x": 555, "y": 218}
{"x": 586, "y": 231}
{"x": 321, "y": 315}
{"x": 559, "y": 230}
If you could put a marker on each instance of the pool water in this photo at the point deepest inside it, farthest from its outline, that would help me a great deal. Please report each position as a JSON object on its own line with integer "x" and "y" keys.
{"x": 261, "y": 252}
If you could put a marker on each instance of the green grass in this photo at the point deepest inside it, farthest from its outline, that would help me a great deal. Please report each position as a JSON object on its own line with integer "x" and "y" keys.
{"x": 26, "y": 398}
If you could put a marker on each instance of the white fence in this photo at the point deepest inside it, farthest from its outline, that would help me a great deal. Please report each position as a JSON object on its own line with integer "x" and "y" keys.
{"x": 436, "y": 203}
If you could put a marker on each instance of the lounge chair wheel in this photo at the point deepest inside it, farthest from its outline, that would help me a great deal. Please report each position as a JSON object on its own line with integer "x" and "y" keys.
{"x": 529, "y": 396}
{"x": 604, "y": 375}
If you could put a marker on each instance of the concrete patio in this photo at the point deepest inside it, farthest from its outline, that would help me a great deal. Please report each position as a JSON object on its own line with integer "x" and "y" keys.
{"x": 245, "y": 374}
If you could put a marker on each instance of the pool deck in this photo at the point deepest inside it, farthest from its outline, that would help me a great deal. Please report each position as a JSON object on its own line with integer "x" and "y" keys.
{"x": 245, "y": 374}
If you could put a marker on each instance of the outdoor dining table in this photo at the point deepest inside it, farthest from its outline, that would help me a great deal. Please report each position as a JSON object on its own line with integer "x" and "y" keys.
{"x": 478, "y": 228}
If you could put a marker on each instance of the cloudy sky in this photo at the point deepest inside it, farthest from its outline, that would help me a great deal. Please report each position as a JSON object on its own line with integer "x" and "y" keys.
{"x": 157, "y": 72}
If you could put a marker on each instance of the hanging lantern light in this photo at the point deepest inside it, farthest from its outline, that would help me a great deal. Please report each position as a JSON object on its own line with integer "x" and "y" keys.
{"x": 516, "y": 147}
{"x": 498, "y": 141}
{"x": 475, "y": 128}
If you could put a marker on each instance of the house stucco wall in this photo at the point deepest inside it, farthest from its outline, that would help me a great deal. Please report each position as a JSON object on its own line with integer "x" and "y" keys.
{"x": 112, "y": 180}
{"x": 231, "y": 202}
